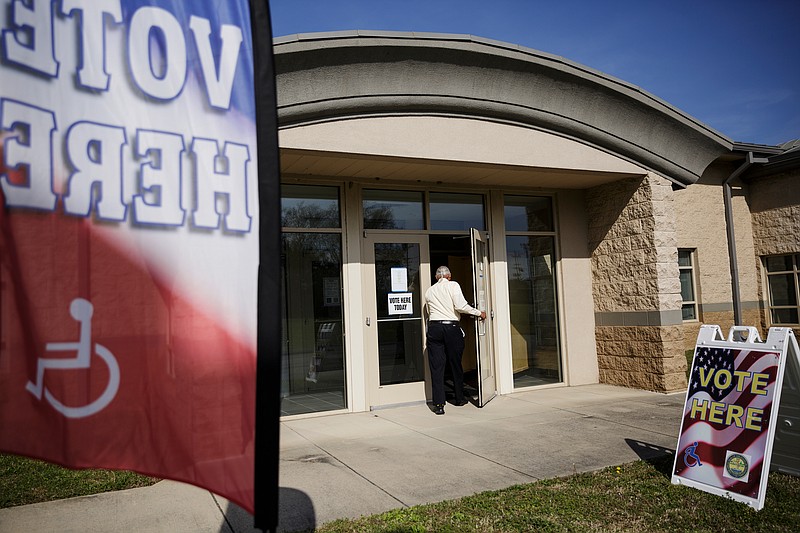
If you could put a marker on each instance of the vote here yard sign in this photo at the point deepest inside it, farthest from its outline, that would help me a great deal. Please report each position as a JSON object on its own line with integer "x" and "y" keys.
{"x": 730, "y": 412}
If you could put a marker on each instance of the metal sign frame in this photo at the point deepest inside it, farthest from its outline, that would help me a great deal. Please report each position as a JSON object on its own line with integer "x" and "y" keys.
{"x": 786, "y": 444}
{"x": 731, "y": 412}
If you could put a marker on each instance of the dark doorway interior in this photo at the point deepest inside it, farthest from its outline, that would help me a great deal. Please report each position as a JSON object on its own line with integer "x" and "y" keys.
{"x": 454, "y": 252}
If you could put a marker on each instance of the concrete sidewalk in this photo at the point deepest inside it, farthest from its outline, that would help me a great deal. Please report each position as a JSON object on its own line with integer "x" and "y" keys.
{"x": 364, "y": 463}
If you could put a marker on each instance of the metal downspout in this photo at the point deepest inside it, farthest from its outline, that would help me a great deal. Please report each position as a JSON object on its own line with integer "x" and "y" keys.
{"x": 734, "y": 262}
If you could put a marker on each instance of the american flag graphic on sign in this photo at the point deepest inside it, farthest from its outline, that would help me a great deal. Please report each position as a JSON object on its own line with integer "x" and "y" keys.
{"x": 724, "y": 431}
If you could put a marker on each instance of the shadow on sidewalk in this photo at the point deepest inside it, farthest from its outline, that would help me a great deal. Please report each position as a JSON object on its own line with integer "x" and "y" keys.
{"x": 661, "y": 458}
{"x": 295, "y": 513}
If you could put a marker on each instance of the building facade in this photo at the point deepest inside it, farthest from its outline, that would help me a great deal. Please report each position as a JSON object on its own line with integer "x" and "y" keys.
{"x": 591, "y": 220}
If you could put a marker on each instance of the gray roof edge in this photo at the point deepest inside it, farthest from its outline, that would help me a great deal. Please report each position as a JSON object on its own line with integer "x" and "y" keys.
{"x": 779, "y": 159}
{"x": 757, "y": 148}
{"x": 355, "y": 35}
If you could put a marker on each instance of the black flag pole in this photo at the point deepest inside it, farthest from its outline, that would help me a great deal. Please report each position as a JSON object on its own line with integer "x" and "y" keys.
{"x": 268, "y": 366}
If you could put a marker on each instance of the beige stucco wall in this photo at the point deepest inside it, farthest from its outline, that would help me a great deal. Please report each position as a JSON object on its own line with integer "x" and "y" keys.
{"x": 453, "y": 139}
{"x": 575, "y": 290}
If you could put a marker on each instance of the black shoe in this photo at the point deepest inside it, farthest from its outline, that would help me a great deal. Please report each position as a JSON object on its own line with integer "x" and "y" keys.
{"x": 438, "y": 409}
{"x": 463, "y": 401}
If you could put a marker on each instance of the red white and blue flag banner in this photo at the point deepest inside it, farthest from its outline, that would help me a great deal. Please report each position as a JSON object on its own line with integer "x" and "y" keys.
{"x": 729, "y": 417}
{"x": 129, "y": 237}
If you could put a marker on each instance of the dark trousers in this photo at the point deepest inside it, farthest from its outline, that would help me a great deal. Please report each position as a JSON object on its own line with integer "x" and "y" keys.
{"x": 445, "y": 346}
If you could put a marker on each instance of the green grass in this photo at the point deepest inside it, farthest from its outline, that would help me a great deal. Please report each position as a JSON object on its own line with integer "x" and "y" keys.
{"x": 24, "y": 481}
{"x": 632, "y": 497}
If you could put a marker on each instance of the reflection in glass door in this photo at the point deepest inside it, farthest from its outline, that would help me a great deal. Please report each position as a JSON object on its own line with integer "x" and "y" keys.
{"x": 313, "y": 362}
{"x": 530, "y": 249}
{"x": 534, "y": 317}
{"x": 394, "y": 322}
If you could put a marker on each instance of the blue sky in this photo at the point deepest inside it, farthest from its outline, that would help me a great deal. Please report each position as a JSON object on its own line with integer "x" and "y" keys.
{"x": 731, "y": 64}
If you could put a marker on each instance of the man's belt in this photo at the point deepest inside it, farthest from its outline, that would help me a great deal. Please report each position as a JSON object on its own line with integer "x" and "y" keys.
{"x": 451, "y": 322}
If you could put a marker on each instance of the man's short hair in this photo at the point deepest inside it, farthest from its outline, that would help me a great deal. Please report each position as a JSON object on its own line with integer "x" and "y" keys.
{"x": 442, "y": 271}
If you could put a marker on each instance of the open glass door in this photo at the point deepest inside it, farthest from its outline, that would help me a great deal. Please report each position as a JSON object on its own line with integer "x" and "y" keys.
{"x": 487, "y": 388}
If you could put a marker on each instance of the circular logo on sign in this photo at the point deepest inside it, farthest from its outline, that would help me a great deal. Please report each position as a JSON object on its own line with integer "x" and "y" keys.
{"x": 737, "y": 466}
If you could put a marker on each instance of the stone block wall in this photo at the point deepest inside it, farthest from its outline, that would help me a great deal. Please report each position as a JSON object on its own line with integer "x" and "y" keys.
{"x": 642, "y": 357}
{"x": 775, "y": 203}
{"x": 777, "y": 231}
{"x": 635, "y": 284}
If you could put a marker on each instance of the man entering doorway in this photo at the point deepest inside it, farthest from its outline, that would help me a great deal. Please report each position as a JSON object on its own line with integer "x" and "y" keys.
{"x": 445, "y": 338}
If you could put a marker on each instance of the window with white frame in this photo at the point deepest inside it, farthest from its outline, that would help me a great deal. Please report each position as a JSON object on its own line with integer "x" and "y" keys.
{"x": 783, "y": 272}
{"x": 688, "y": 285}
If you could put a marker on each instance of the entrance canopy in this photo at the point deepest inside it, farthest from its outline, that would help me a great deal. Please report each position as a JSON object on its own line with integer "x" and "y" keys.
{"x": 338, "y": 76}
{"x": 447, "y": 150}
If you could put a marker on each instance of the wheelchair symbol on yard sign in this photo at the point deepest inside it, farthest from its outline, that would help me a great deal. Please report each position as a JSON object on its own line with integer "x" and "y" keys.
{"x": 81, "y": 310}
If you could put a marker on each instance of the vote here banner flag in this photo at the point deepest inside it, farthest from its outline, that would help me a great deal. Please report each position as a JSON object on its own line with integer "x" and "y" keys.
{"x": 129, "y": 237}
{"x": 725, "y": 435}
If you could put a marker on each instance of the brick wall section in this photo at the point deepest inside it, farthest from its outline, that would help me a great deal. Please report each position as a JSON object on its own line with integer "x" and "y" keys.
{"x": 635, "y": 269}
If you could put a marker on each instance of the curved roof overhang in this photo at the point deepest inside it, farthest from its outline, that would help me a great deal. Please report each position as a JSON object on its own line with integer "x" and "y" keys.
{"x": 342, "y": 75}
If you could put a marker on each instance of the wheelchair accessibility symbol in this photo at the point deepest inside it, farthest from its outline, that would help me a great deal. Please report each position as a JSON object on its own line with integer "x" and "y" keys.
{"x": 81, "y": 310}
{"x": 690, "y": 457}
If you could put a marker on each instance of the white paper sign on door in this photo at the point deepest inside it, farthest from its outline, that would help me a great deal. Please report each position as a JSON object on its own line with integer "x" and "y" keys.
{"x": 399, "y": 279}
{"x": 400, "y": 304}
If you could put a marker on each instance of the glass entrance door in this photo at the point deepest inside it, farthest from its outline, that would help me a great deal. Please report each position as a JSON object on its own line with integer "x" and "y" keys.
{"x": 487, "y": 387}
{"x": 397, "y": 270}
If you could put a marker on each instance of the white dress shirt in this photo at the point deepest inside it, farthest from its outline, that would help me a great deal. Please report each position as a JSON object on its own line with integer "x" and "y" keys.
{"x": 446, "y": 301}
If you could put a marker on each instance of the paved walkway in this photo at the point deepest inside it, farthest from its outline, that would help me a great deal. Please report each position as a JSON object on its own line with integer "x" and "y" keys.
{"x": 364, "y": 463}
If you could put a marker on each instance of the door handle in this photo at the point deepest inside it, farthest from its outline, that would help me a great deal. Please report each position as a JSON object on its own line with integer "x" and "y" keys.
{"x": 367, "y": 321}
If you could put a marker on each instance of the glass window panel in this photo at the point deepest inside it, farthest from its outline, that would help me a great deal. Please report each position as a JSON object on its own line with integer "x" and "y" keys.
{"x": 528, "y": 213}
{"x": 779, "y": 263}
{"x": 684, "y": 258}
{"x": 532, "y": 298}
{"x": 687, "y": 291}
{"x": 456, "y": 211}
{"x": 400, "y": 353}
{"x": 688, "y": 312}
{"x": 309, "y": 206}
{"x": 785, "y": 316}
{"x": 393, "y": 209}
{"x": 313, "y": 373}
{"x": 782, "y": 290}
